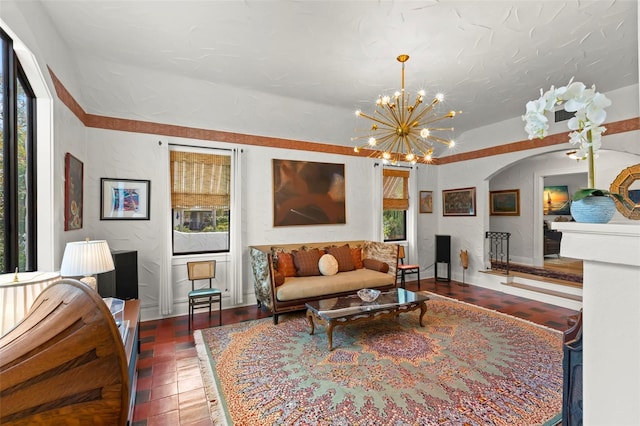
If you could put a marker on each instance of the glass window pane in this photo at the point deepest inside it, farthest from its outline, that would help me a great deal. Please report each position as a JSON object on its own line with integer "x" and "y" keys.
{"x": 23, "y": 181}
{"x": 394, "y": 225}
{"x": 197, "y": 231}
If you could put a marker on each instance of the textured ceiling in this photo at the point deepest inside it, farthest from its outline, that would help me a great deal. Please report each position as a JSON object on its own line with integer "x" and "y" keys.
{"x": 488, "y": 57}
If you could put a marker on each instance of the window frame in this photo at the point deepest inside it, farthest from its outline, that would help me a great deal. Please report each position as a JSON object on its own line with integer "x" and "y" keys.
{"x": 396, "y": 204}
{"x": 14, "y": 76}
{"x": 205, "y": 151}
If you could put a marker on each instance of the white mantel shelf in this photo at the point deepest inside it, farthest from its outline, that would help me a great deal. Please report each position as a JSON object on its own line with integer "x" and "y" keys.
{"x": 611, "y": 317}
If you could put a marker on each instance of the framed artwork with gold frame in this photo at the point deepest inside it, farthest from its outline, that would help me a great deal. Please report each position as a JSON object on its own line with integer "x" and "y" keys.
{"x": 459, "y": 202}
{"x": 505, "y": 202}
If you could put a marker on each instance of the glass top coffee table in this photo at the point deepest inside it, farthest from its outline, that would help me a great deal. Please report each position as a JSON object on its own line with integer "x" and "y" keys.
{"x": 351, "y": 309}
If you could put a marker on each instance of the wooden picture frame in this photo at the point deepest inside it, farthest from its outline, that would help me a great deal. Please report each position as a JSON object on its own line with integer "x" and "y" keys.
{"x": 426, "y": 201}
{"x": 73, "y": 192}
{"x": 308, "y": 193}
{"x": 505, "y": 202}
{"x": 459, "y": 202}
{"x": 124, "y": 199}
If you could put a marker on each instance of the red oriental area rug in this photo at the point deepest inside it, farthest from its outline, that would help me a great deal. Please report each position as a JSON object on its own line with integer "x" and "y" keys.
{"x": 468, "y": 365}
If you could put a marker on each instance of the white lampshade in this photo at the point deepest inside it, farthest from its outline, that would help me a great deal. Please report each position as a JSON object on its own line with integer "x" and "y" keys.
{"x": 86, "y": 258}
{"x": 17, "y": 294}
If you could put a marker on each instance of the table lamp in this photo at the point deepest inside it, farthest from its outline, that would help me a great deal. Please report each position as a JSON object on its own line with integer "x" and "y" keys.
{"x": 18, "y": 292}
{"x": 86, "y": 258}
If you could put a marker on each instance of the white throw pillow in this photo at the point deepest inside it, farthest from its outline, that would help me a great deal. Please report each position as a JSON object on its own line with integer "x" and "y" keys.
{"x": 328, "y": 265}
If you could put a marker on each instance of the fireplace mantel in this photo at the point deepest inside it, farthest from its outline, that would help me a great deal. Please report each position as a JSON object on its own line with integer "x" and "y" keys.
{"x": 611, "y": 317}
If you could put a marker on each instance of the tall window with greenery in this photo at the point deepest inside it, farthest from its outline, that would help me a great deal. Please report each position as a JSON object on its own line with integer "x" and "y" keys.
{"x": 395, "y": 203}
{"x": 17, "y": 165}
{"x": 200, "y": 201}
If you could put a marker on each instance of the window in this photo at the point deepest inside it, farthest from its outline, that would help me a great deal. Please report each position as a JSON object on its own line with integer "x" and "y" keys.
{"x": 17, "y": 165}
{"x": 395, "y": 202}
{"x": 200, "y": 202}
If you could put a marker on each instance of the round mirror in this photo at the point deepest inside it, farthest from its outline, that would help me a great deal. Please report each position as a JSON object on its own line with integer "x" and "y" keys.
{"x": 627, "y": 184}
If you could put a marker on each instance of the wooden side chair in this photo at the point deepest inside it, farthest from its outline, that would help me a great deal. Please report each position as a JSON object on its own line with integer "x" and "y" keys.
{"x": 202, "y": 297}
{"x": 404, "y": 270}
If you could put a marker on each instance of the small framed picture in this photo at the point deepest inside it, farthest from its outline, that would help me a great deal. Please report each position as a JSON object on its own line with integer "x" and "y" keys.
{"x": 426, "y": 201}
{"x": 124, "y": 199}
{"x": 459, "y": 202}
{"x": 504, "y": 203}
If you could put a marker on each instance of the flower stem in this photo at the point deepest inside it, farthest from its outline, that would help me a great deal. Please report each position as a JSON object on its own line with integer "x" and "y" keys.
{"x": 592, "y": 169}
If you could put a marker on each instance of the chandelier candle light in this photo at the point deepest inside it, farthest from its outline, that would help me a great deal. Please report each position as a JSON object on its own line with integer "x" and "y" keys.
{"x": 586, "y": 132}
{"x": 401, "y": 129}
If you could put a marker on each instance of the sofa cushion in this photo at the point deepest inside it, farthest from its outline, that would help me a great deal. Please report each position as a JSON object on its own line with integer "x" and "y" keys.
{"x": 306, "y": 262}
{"x": 375, "y": 265}
{"x": 356, "y": 256}
{"x": 278, "y": 278}
{"x": 352, "y": 281}
{"x": 343, "y": 256}
{"x": 285, "y": 264}
{"x": 328, "y": 265}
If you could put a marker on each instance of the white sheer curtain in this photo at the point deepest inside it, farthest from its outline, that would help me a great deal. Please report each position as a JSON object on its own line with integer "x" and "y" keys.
{"x": 165, "y": 296}
{"x": 376, "y": 202}
{"x": 236, "y": 247}
{"x": 412, "y": 217}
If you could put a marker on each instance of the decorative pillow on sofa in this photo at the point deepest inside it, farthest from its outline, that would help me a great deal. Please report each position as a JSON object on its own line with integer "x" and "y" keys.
{"x": 343, "y": 256}
{"x": 356, "y": 256}
{"x": 285, "y": 265}
{"x": 278, "y": 278}
{"x": 375, "y": 265}
{"x": 328, "y": 265}
{"x": 306, "y": 262}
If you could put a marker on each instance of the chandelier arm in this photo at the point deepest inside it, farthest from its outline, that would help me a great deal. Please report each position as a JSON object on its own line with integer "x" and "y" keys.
{"x": 438, "y": 139}
{"x": 377, "y": 120}
{"x": 394, "y": 115}
{"x": 436, "y": 119}
{"x": 427, "y": 109}
{"x": 414, "y": 109}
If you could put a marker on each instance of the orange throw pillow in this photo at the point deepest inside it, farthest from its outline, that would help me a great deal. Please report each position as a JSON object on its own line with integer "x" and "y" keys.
{"x": 356, "y": 256}
{"x": 285, "y": 265}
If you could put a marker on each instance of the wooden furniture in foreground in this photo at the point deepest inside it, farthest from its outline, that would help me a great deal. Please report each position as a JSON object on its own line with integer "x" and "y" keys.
{"x": 65, "y": 363}
{"x": 351, "y": 309}
{"x": 132, "y": 349}
{"x": 572, "y": 404}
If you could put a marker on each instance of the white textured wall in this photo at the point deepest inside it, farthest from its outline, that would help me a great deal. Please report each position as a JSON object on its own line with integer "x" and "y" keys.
{"x": 176, "y": 100}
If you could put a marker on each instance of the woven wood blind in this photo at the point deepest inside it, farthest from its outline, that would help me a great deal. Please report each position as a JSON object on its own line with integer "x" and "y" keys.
{"x": 395, "y": 189}
{"x": 200, "y": 180}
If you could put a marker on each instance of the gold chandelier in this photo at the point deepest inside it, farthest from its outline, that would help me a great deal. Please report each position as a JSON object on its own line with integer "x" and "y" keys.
{"x": 401, "y": 130}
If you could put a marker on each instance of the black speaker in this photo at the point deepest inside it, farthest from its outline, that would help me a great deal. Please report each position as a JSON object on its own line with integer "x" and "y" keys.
{"x": 443, "y": 258}
{"x": 121, "y": 283}
{"x": 443, "y": 248}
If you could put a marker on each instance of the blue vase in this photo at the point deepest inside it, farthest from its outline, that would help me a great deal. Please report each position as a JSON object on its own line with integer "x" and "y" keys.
{"x": 593, "y": 209}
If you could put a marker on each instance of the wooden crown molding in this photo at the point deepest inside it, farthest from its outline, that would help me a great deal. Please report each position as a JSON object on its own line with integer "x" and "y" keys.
{"x": 137, "y": 126}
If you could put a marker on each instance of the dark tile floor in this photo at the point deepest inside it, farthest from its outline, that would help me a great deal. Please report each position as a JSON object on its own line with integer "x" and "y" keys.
{"x": 170, "y": 389}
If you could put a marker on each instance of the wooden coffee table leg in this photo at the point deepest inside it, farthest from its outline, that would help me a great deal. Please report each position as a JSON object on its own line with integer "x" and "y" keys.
{"x": 310, "y": 318}
{"x": 423, "y": 310}
{"x": 329, "y": 328}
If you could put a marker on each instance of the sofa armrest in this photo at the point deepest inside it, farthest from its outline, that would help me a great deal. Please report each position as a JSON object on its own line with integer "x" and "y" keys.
{"x": 262, "y": 276}
{"x": 384, "y": 252}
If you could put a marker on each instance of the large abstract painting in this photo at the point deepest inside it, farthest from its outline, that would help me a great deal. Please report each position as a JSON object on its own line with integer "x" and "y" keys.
{"x": 308, "y": 193}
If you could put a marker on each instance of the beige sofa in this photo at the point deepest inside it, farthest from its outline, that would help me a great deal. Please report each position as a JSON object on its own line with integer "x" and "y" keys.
{"x": 374, "y": 264}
